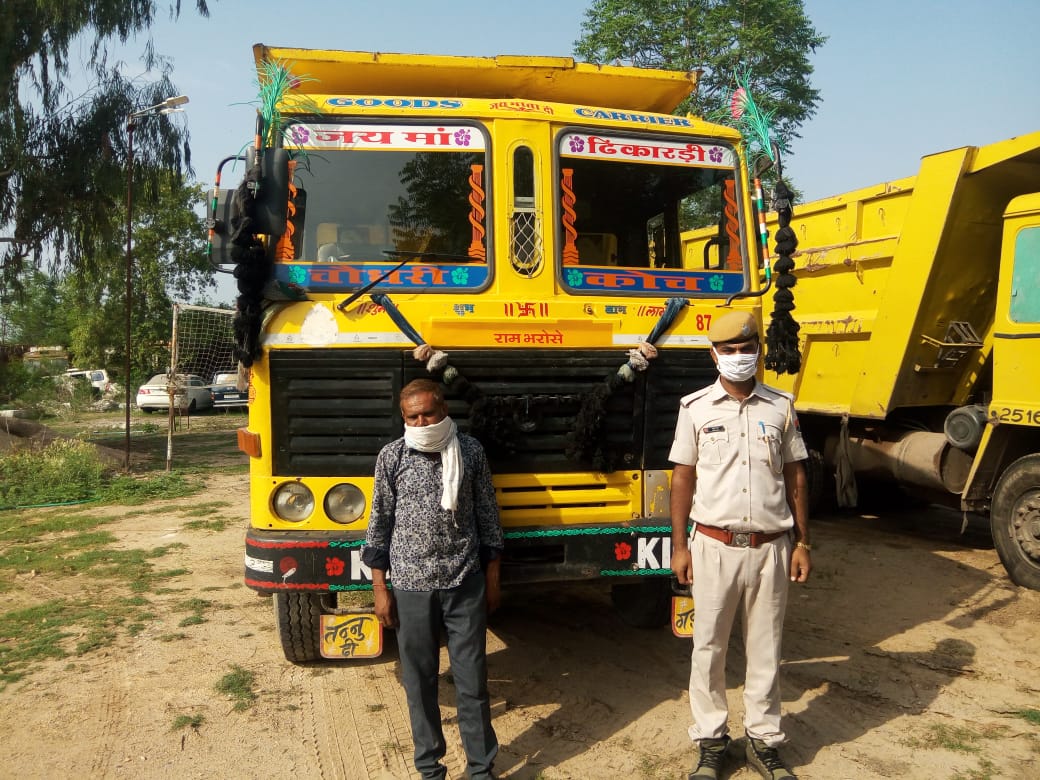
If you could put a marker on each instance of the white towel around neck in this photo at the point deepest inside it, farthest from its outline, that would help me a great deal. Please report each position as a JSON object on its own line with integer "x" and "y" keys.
{"x": 441, "y": 437}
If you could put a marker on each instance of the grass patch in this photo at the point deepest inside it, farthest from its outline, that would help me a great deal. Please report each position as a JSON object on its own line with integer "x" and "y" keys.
{"x": 64, "y": 470}
{"x": 1029, "y": 716}
{"x": 197, "y": 607}
{"x": 237, "y": 685}
{"x": 131, "y": 490}
{"x": 69, "y": 470}
{"x": 58, "y": 546}
{"x": 187, "y": 721}
{"x": 985, "y": 771}
{"x": 959, "y": 738}
{"x": 55, "y": 545}
{"x": 205, "y": 510}
{"x": 56, "y": 629}
{"x": 207, "y": 525}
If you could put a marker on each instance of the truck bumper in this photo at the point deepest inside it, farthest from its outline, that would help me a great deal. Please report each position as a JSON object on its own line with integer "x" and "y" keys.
{"x": 329, "y": 562}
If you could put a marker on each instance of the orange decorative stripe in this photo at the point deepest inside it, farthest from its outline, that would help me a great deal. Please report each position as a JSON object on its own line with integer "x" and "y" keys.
{"x": 476, "y": 213}
{"x": 570, "y": 249}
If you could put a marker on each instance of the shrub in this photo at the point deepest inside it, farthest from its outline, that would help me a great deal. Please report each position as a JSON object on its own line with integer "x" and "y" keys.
{"x": 64, "y": 470}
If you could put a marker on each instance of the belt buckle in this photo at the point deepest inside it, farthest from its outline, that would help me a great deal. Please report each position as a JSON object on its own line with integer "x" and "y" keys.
{"x": 741, "y": 540}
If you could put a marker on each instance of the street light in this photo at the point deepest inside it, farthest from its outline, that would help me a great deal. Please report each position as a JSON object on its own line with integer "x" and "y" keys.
{"x": 166, "y": 107}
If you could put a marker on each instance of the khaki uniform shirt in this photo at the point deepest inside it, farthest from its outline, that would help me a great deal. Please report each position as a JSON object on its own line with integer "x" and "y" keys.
{"x": 739, "y": 449}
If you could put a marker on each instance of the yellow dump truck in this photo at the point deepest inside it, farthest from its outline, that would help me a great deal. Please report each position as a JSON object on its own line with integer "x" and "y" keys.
{"x": 509, "y": 226}
{"x": 919, "y": 305}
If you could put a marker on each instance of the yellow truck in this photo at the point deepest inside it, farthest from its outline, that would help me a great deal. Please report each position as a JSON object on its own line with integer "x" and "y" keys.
{"x": 511, "y": 227}
{"x": 920, "y": 334}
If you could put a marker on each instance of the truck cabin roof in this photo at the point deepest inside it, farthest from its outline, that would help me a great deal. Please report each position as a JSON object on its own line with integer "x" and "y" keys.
{"x": 550, "y": 79}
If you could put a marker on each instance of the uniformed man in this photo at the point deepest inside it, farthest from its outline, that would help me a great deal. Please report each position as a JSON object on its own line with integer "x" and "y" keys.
{"x": 739, "y": 478}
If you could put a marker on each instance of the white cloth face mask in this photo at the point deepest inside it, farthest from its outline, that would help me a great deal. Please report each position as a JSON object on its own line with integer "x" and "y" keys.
{"x": 441, "y": 437}
{"x": 737, "y": 368}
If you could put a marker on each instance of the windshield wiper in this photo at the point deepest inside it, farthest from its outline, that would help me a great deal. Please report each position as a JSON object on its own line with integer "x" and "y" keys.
{"x": 406, "y": 256}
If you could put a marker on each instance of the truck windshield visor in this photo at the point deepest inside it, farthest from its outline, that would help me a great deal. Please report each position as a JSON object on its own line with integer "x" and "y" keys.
{"x": 648, "y": 215}
{"x": 368, "y": 196}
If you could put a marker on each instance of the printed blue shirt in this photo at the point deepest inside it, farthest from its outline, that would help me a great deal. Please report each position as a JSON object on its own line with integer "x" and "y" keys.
{"x": 420, "y": 545}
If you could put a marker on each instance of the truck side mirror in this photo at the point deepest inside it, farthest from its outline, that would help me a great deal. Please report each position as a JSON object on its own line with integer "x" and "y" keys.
{"x": 218, "y": 220}
{"x": 272, "y": 196}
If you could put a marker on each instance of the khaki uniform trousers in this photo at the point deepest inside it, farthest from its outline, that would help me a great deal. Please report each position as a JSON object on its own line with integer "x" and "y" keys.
{"x": 753, "y": 580}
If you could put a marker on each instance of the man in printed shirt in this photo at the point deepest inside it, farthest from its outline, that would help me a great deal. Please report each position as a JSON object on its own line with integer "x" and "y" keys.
{"x": 739, "y": 477}
{"x": 434, "y": 530}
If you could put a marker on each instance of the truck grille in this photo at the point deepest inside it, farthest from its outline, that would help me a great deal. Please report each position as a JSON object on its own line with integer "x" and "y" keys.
{"x": 333, "y": 409}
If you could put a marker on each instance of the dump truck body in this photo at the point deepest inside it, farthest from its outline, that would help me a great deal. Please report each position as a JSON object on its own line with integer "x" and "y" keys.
{"x": 920, "y": 333}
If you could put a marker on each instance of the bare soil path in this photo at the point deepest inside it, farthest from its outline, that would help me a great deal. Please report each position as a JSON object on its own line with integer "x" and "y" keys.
{"x": 908, "y": 655}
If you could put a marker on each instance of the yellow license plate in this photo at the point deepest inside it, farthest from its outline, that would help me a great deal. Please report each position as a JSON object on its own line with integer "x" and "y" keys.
{"x": 351, "y": 636}
{"x": 682, "y": 616}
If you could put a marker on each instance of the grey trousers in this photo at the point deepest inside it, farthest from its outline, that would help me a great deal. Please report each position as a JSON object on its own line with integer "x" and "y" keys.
{"x": 462, "y": 612}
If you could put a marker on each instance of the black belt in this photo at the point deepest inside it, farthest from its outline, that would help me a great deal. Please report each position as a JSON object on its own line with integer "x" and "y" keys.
{"x": 737, "y": 538}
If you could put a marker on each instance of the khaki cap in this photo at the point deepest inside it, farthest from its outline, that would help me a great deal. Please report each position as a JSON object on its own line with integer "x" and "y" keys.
{"x": 732, "y": 326}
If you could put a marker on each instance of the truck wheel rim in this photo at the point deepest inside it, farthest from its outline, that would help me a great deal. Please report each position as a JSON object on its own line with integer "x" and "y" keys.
{"x": 1026, "y": 528}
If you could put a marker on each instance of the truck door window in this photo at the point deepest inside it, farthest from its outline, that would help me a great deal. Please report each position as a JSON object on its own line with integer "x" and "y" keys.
{"x": 524, "y": 236}
{"x": 1025, "y": 279}
{"x": 666, "y": 207}
{"x": 376, "y": 189}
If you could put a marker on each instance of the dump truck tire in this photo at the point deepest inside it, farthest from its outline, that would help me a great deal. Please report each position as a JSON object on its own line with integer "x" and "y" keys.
{"x": 1015, "y": 521}
{"x": 299, "y": 624}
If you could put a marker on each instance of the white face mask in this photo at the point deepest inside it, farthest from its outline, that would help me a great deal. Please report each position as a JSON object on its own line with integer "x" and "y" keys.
{"x": 737, "y": 368}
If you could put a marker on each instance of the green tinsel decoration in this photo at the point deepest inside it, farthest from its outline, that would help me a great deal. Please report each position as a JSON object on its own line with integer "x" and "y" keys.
{"x": 275, "y": 80}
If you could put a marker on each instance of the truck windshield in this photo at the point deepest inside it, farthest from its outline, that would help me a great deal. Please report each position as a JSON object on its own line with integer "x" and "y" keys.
{"x": 667, "y": 208}
{"x": 370, "y": 191}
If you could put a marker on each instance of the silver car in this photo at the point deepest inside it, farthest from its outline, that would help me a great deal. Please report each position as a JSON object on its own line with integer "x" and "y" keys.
{"x": 190, "y": 393}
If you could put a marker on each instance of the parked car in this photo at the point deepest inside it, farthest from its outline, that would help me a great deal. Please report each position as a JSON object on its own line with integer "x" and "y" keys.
{"x": 226, "y": 394}
{"x": 191, "y": 393}
{"x": 98, "y": 378}
{"x": 76, "y": 384}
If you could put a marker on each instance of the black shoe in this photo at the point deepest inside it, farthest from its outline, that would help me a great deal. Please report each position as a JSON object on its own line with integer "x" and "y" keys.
{"x": 767, "y": 761}
{"x": 712, "y": 752}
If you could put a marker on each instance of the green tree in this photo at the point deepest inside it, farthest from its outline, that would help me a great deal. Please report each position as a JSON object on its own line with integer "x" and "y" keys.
{"x": 63, "y": 156}
{"x": 772, "y": 39}
{"x": 33, "y": 314}
{"x": 169, "y": 264}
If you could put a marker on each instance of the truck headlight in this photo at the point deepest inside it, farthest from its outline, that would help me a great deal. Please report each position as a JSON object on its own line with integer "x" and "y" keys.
{"x": 293, "y": 501}
{"x": 345, "y": 503}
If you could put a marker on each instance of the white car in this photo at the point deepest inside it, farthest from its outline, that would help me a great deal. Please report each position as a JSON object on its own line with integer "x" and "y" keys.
{"x": 190, "y": 393}
{"x": 98, "y": 378}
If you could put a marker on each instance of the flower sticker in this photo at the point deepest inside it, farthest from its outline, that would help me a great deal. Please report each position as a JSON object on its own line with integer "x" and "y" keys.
{"x": 334, "y": 567}
{"x": 297, "y": 274}
{"x": 460, "y": 276}
{"x": 716, "y": 282}
{"x": 715, "y": 154}
{"x": 577, "y": 143}
{"x": 622, "y": 551}
{"x": 575, "y": 278}
{"x": 462, "y": 137}
{"x": 299, "y": 134}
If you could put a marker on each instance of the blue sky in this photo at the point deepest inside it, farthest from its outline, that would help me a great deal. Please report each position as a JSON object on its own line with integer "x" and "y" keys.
{"x": 899, "y": 78}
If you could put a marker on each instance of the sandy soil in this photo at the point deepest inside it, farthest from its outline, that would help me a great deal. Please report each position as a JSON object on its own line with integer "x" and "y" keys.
{"x": 909, "y": 655}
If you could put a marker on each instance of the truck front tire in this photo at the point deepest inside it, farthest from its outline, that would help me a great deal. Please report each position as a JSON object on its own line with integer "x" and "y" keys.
{"x": 1015, "y": 521}
{"x": 299, "y": 625}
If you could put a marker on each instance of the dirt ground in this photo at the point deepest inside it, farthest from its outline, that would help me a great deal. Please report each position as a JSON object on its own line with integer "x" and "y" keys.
{"x": 908, "y": 655}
